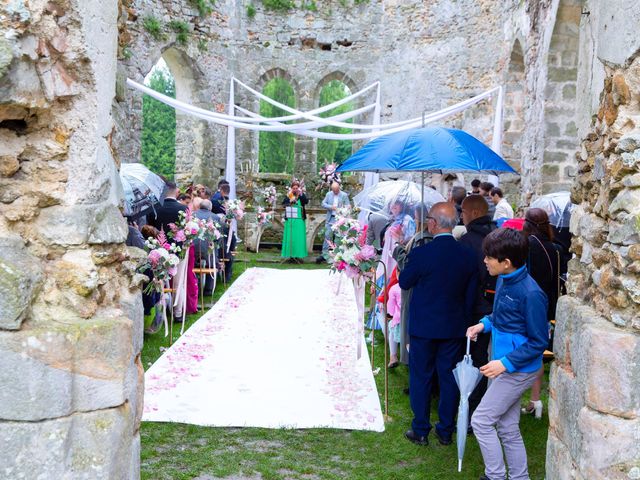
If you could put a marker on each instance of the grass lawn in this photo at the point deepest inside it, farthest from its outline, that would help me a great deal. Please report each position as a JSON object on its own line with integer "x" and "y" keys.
{"x": 177, "y": 451}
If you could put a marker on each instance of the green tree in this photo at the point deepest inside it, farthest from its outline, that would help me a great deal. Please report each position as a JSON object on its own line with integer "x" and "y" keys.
{"x": 276, "y": 152}
{"x": 338, "y": 151}
{"x": 158, "y": 142}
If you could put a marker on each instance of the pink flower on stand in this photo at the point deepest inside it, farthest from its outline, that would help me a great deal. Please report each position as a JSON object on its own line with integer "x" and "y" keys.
{"x": 362, "y": 240}
{"x": 351, "y": 271}
{"x": 341, "y": 265}
{"x": 180, "y": 236}
{"x": 367, "y": 252}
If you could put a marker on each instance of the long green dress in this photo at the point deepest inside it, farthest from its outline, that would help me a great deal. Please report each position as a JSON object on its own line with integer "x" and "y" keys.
{"x": 294, "y": 240}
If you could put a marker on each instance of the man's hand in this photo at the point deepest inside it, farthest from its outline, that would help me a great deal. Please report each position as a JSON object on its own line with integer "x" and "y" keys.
{"x": 472, "y": 332}
{"x": 493, "y": 369}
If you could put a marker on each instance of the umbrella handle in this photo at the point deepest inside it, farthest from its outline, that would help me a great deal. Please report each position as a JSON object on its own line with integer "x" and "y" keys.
{"x": 468, "y": 345}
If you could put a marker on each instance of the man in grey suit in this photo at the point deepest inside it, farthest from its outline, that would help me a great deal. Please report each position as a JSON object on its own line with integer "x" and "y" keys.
{"x": 334, "y": 200}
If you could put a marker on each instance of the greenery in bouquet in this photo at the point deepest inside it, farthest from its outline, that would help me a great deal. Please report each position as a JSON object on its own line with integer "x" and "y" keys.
{"x": 190, "y": 228}
{"x": 162, "y": 261}
{"x": 234, "y": 209}
{"x": 268, "y": 195}
{"x": 349, "y": 252}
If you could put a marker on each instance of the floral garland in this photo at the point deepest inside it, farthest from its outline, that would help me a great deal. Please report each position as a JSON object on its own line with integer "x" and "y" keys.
{"x": 329, "y": 174}
{"x": 349, "y": 251}
{"x": 190, "y": 228}
{"x": 269, "y": 195}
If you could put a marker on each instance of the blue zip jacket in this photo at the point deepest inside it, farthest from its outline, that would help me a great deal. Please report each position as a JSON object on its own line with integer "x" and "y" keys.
{"x": 518, "y": 324}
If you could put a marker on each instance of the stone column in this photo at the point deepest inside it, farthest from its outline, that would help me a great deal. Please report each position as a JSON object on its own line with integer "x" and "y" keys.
{"x": 594, "y": 406}
{"x": 70, "y": 316}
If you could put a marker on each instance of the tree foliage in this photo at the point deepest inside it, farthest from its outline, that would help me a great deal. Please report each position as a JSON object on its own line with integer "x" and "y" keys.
{"x": 276, "y": 149}
{"x": 338, "y": 151}
{"x": 158, "y": 142}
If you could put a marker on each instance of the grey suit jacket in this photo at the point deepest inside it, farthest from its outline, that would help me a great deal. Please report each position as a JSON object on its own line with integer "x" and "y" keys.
{"x": 343, "y": 201}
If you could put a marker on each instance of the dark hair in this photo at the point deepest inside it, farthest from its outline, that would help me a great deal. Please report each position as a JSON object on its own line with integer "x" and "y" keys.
{"x": 458, "y": 194}
{"x": 222, "y": 182}
{"x": 225, "y": 188}
{"x": 171, "y": 185}
{"x": 475, "y": 182}
{"x": 149, "y": 231}
{"x": 207, "y": 192}
{"x": 536, "y": 222}
{"x": 295, "y": 182}
{"x": 506, "y": 243}
{"x": 486, "y": 186}
{"x": 497, "y": 191}
{"x": 184, "y": 196}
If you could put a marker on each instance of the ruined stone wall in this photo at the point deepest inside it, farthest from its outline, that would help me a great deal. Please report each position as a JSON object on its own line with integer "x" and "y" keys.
{"x": 594, "y": 406}
{"x": 70, "y": 318}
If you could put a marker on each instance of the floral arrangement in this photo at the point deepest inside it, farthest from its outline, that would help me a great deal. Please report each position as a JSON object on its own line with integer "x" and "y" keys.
{"x": 264, "y": 218}
{"x": 328, "y": 174}
{"x": 234, "y": 209}
{"x": 162, "y": 260}
{"x": 190, "y": 228}
{"x": 349, "y": 252}
{"x": 269, "y": 195}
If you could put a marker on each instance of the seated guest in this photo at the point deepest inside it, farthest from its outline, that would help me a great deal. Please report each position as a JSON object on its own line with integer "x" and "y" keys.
{"x": 503, "y": 209}
{"x": 485, "y": 191}
{"x": 218, "y": 198}
{"x": 202, "y": 254}
{"x": 443, "y": 275}
{"x": 169, "y": 211}
{"x": 518, "y": 327}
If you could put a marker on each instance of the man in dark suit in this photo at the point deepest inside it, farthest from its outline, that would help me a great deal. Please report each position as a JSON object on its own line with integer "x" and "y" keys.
{"x": 218, "y": 198}
{"x": 170, "y": 210}
{"x": 443, "y": 276}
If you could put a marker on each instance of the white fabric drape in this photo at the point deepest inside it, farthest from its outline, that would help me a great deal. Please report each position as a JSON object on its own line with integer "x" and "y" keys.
{"x": 180, "y": 287}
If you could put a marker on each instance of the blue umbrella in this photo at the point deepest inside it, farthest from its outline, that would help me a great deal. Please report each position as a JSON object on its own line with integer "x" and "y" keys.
{"x": 431, "y": 149}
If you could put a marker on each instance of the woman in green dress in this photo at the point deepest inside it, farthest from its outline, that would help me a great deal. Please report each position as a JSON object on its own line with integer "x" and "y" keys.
{"x": 294, "y": 240}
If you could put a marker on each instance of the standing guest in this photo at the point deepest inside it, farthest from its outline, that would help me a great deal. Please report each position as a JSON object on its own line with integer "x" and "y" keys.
{"x": 443, "y": 275}
{"x": 479, "y": 225}
{"x": 456, "y": 197}
{"x": 542, "y": 263}
{"x": 394, "y": 310}
{"x": 194, "y": 206}
{"x": 294, "y": 241}
{"x": 205, "y": 193}
{"x": 475, "y": 187}
{"x": 221, "y": 196}
{"x": 184, "y": 199}
{"x": 376, "y": 224}
{"x": 170, "y": 210}
{"x": 401, "y": 254}
{"x": 334, "y": 200}
{"x": 518, "y": 326}
{"x": 503, "y": 209}
{"x": 485, "y": 191}
{"x": 201, "y": 247}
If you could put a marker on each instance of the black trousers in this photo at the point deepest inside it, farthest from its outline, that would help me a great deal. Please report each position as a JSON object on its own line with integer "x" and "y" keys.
{"x": 480, "y": 356}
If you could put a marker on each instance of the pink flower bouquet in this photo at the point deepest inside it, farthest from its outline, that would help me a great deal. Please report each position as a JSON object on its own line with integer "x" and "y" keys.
{"x": 350, "y": 253}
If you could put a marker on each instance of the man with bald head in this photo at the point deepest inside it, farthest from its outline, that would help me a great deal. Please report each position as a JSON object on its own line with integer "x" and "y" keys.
{"x": 475, "y": 216}
{"x": 443, "y": 276}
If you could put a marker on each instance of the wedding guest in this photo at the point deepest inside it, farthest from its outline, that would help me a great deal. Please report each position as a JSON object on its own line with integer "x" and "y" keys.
{"x": 377, "y": 222}
{"x": 226, "y": 250}
{"x": 542, "y": 263}
{"x": 194, "y": 206}
{"x": 333, "y": 200}
{"x": 485, "y": 191}
{"x": 475, "y": 187}
{"x": 443, "y": 275}
{"x": 205, "y": 258}
{"x": 394, "y": 308}
{"x": 184, "y": 199}
{"x": 218, "y": 198}
{"x": 503, "y": 209}
{"x": 401, "y": 254}
{"x": 518, "y": 326}
{"x": 170, "y": 210}
{"x": 456, "y": 197}
{"x": 206, "y": 193}
{"x": 134, "y": 237}
{"x": 479, "y": 225}
{"x": 294, "y": 241}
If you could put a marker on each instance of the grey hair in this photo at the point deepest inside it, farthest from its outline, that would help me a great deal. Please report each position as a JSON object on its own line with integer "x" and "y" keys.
{"x": 206, "y": 205}
{"x": 445, "y": 221}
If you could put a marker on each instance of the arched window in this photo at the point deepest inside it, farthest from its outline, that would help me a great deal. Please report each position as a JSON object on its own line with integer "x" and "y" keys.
{"x": 158, "y": 141}
{"x": 330, "y": 151}
{"x": 276, "y": 149}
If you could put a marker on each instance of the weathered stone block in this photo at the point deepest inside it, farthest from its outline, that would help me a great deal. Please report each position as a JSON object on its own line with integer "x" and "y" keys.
{"x": 625, "y": 230}
{"x": 566, "y": 398}
{"x": 85, "y": 446}
{"x": 610, "y": 446}
{"x": 626, "y": 201}
{"x": 20, "y": 280}
{"x": 57, "y": 369}
{"x": 612, "y": 386}
{"x": 560, "y": 465}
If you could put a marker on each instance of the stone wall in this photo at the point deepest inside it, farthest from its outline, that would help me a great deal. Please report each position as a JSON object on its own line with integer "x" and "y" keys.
{"x": 70, "y": 316}
{"x": 595, "y": 381}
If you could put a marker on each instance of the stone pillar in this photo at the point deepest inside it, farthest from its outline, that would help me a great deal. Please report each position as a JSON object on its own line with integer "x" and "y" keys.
{"x": 594, "y": 406}
{"x": 70, "y": 316}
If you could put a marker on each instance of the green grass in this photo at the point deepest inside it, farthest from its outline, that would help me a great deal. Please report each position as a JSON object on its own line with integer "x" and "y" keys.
{"x": 177, "y": 451}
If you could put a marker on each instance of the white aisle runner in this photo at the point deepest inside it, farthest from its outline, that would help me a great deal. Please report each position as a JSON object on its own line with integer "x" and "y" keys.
{"x": 276, "y": 351}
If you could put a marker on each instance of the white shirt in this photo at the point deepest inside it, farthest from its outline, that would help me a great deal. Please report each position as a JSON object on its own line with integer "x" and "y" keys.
{"x": 503, "y": 210}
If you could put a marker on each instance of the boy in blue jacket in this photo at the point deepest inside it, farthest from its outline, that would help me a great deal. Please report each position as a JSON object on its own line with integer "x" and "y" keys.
{"x": 519, "y": 337}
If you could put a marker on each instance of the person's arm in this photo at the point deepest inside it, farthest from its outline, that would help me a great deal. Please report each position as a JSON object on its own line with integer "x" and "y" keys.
{"x": 371, "y": 236}
{"x": 410, "y": 275}
{"x": 286, "y": 201}
{"x": 303, "y": 199}
{"x": 325, "y": 203}
{"x": 535, "y": 311}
